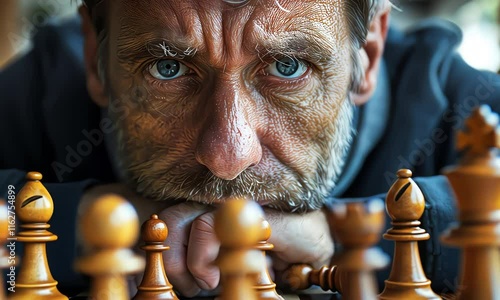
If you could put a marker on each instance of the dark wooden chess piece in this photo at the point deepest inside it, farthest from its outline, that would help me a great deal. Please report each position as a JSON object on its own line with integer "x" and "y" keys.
{"x": 303, "y": 276}
{"x": 476, "y": 184}
{"x": 405, "y": 205}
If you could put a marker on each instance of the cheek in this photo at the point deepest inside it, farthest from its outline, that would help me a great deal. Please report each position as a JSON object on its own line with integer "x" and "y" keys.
{"x": 154, "y": 124}
{"x": 300, "y": 135}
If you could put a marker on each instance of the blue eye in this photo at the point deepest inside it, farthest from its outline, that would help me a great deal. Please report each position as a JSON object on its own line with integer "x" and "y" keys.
{"x": 287, "y": 67}
{"x": 168, "y": 69}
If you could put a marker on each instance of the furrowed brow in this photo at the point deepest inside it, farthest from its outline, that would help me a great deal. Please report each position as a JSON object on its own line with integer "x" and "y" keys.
{"x": 312, "y": 46}
{"x": 134, "y": 49}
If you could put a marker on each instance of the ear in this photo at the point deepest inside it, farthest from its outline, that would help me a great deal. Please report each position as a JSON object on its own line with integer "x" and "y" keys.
{"x": 371, "y": 54}
{"x": 95, "y": 87}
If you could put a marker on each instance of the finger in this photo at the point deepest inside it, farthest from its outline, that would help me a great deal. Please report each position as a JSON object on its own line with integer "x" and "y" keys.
{"x": 303, "y": 238}
{"x": 178, "y": 219}
{"x": 203, "y": 249}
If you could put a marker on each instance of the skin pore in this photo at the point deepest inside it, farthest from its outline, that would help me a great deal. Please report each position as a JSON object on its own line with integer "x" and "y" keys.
{"x": 227, "y": 122}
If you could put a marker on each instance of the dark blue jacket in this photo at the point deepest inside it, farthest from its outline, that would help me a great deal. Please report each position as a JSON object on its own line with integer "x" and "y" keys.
{"x": 424, "y": 93}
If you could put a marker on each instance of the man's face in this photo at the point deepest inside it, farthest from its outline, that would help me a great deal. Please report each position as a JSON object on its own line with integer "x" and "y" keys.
{"x": 224, "y": 100}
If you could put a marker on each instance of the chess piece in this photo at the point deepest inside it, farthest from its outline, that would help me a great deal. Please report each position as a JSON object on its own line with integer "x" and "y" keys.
{"x": 238, "y": 227}
{"x": 265, "y": 287}
{"x": 405, "y": 205}
{"x": 4, "y": 234}
{"x": 154, "y": 285}
{"x": 109, "y": 226}
{"x": 476, "y": 184}
{"x": 34, "y": 208}
{"x": 303, "y": 276}
{"x": 357, "y": 226}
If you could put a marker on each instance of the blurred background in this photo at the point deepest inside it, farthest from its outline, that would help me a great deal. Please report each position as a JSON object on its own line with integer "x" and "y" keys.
{"x": 19, "y": 19}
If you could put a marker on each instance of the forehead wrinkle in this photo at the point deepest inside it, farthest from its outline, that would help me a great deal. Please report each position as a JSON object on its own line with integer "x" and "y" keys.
{"x": 314, "y": 27}
{"x": 211, "y": 18}
{"x": 170, "y": 20}
{"x": 236, "y": 29}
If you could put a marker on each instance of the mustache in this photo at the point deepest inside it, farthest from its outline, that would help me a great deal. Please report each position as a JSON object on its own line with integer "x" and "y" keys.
{"x": 202, "y": 186}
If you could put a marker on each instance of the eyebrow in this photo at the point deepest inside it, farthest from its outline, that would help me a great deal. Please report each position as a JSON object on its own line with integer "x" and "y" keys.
{"x": 133, "y": 48}
{"x": 309, "y": 44}
{"x": 316, "y": 47}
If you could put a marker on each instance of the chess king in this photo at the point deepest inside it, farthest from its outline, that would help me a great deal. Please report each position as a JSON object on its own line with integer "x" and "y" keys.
{"x": 181, "y": 105}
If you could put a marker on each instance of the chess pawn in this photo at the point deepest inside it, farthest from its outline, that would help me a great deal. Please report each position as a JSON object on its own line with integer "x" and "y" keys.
{"x": 238, "y": 227}
{"x": 405, "y": 205}
{"x": 357, "y": 226}
{"x": 34, "y": 208}
{"x": 154, "y": 285}
{"x": 476, "y": 184}
{"x": 109, "y": 226}
{"x": 265, "y": 287}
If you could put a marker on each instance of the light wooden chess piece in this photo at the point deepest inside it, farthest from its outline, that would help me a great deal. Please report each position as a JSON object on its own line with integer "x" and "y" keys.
{"x": 154, "y": 285}
{"x": 238, "y": 227}
{"x": 476, "y": 183}
{"x": 34, "y": 208}
{"x": 4, "y": 255}
{"x": 357, "y": 226}
{"x": 109, "y": 226}
{"x": 405, "y": 205}
{"x": 265, "y": 287}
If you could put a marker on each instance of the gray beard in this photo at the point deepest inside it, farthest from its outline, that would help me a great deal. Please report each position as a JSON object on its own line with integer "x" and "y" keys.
{"x": 304, "y": 194}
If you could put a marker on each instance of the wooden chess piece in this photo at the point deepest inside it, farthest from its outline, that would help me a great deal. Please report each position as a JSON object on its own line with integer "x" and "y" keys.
{"x": 476, "y": 184}
{"x": 4, "y": 234}
{"x": 238, "y": 227}
{"x": 154, "y": 285}
{"x": 109, "y": 226}
{"x": 357, "y": 226}
{"x": 304, "y": 276}
{"x": 405, "y": 205}
{"x": 265, "y": 287}
{"x": 34, "y": 208}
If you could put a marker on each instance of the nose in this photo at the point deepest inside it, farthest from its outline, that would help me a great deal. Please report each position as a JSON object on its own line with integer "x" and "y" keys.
{"x": 228, "y": 143}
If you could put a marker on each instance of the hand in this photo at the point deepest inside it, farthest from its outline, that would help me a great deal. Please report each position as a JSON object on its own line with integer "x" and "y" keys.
{"x": 298, "y": 238}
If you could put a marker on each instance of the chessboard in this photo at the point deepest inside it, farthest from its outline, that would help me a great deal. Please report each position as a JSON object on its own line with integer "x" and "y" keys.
{"x": 243, "y": 232}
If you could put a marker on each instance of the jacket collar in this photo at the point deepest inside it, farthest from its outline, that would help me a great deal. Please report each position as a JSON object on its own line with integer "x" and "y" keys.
{"x": 370, "y": 121}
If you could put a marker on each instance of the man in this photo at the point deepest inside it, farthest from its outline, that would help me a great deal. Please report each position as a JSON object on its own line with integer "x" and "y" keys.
{"x": 205, "y": 100}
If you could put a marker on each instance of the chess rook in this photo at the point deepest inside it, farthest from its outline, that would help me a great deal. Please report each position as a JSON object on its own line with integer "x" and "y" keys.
{"x": 405, "y": 205}
{"x": 265, "y": 287}
{"x": 154, "y": 285}
{"x": 34, "y": 208}
{"x": 357, "y": 226}
{"x": 238, "y": 226}
{"x": 109, "y": 226}
{"x": 476, "y": 184}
